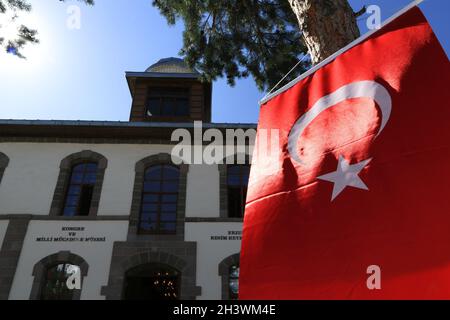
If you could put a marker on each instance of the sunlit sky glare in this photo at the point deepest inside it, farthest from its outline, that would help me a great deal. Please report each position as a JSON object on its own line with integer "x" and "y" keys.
{"x": 79, "y": 74}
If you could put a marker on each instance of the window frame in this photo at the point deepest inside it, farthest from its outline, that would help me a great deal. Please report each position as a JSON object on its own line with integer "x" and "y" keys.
{"x": 59, "y": 195}
{"x": 160, "y": 158}
{"x": 42, "y": 266}
{"x": 231, "y": 294}
{"x": 80, "y": 184}
{"x": 241, "y": 188}
{"x": 164, "y": 94}
{"x": 160, "y": 194}
{"x": 223, "y": 178}
{"x": 224, "y": 272}
{"x": 46, "y": 279}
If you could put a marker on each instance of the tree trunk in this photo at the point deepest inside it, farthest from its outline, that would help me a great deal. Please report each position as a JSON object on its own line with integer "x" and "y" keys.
{"x": 326, "y": 25}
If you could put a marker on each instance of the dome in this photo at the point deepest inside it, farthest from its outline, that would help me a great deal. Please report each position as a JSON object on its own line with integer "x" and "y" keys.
{"x": 170, "y": 65}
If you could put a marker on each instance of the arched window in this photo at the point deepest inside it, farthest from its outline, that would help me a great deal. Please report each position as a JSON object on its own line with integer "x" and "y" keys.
{"x": 229, "y": 272}
{"x": 81, "y": 189}
{"x": 159, "y": 200}
{"x": 237, "y": 182}
{"x": 51, "y": 274}
{"x": 55, "y": 283}
{"x": 233, "y": 282}
{"x": 4, "y": 160}
{"x": 79, "y": 185}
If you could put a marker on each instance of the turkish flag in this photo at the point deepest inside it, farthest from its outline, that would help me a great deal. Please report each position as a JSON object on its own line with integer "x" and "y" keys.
{"x": 352, "y": 200}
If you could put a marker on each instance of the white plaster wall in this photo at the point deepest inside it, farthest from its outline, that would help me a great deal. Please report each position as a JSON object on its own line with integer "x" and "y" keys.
{"x": 96, "y": 254}
{"x": 30, "y": 178}
{"x": 203, "y": 191}
{"x": 211, "y": 252}
{"x": 3, "y": 227}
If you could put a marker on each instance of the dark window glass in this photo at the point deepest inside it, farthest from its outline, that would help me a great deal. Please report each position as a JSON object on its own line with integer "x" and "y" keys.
{"x": 237, "y": 182}
{"x": 169, "y": 106}
{"x": 150, "y": 198}
{"x": 153, "y": 106}
{"x": 233, "y": 283}
{"x": 182, "y": 107}
{"x": 85, "y": 199}
{"x": 55, "y": 284}
{"x": 168, "y": 102}
{"x": 169, "y": 198}
{"x": 159, "y": 200}
{"x": 80, "y": 190}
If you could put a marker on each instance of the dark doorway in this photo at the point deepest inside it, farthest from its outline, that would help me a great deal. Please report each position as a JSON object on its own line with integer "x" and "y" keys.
{"x": 152, "y": 282}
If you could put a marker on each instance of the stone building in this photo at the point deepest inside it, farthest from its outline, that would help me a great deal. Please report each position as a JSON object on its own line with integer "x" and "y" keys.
{"x": 104, "y": 200}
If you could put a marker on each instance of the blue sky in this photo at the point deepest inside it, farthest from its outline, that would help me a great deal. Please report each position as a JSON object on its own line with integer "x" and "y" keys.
{"x": 80, "y": 74}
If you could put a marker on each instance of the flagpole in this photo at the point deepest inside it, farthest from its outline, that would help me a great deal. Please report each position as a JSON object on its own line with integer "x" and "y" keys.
{"x": 341, "y": 51}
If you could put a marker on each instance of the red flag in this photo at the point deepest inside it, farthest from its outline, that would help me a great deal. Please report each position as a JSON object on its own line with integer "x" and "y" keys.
{"x": 356, "y": 205}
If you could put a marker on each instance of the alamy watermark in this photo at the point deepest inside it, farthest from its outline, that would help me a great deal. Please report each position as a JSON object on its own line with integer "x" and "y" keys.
{"x": 374, "y": 280}
{"x": 73, "y": 21}
{"x": 74, "y": 279}
{"x": 227, "y": 146}
{"x": 373, "y": 22}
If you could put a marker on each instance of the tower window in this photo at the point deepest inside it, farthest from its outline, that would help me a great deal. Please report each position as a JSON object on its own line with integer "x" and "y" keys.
{"x": 168, "y": 102}
{"x": 80, "y": 190}
{"x": 237, "y": 182}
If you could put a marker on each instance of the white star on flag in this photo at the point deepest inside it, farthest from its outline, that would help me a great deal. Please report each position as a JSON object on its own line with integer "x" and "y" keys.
{"x": 345, "y": 175}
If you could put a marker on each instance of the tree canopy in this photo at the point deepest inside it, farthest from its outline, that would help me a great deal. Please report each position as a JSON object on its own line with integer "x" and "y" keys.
{"x": 238, "y": 38}
{"x": 24, "y": 34}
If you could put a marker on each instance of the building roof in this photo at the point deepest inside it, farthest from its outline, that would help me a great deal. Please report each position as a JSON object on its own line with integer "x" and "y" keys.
{"x": 164, "y": 68}
{"x": 123, "y": 124}
{"x": 100, "y": 131}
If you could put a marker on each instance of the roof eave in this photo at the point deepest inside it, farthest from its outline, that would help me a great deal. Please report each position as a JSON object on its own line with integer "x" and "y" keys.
{"x": 131, "y": 77}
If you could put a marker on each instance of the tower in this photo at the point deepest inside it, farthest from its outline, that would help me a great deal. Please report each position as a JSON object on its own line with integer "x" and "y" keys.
{"x": 169, "y": 91}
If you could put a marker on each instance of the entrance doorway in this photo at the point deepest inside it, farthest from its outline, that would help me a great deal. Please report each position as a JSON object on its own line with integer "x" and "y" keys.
{"x": 152, "y": 282}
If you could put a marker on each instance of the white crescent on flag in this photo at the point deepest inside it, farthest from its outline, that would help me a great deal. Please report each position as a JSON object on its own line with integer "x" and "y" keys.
{"x": 360, "y": 89}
